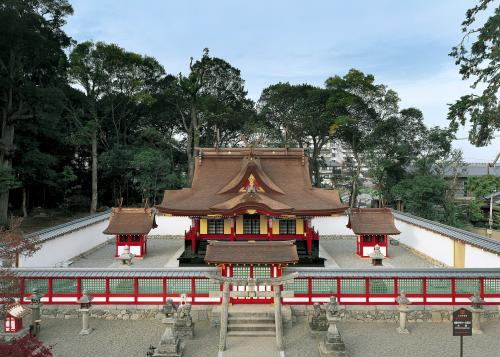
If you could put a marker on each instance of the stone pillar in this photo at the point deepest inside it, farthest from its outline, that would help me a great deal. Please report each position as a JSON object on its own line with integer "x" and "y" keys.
{"x": 278, "y": 320}
{"x": 476, "y": 321}
{"x": 223, "y": 318}
{"x": 86, "y": 329}
{"x": 403, "y": 309}
{"x": 477, "y": 308}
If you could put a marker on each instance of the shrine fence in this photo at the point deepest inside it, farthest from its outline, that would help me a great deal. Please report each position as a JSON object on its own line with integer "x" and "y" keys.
{"x": 435, "y": 286}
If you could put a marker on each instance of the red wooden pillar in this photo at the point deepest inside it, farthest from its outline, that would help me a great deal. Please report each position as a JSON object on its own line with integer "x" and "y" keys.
{"x": 270, "y": 228}
{"x": 309, "y": 240}
{"x": 136, "y": 289}
{"x": 194, "y": 234}
{"x": 233, "y": 230}
{"x": 193, "y": 290}
{"x": 49, "y": 292}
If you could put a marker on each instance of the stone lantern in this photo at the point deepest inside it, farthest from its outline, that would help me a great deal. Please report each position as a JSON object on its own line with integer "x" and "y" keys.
{"x": 85, "y": 304}
{"x": 477, "y": 308}
{"x": 35, "y": 306}
{"x": 376, "y": 256}
{"x": 126, "y": 257}
{"x": 403, "y": 309}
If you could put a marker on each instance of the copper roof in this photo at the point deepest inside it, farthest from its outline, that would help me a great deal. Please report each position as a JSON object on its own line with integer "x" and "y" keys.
{"x": 131, "y": 221}
{"x": 372, "y": 221}
{"x": 277, "y": 252}
{"x": 282, "y": 176}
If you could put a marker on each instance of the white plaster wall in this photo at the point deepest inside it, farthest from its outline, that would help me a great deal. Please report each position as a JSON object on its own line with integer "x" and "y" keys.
{"x": 478, "y": 258}
{"x": 432, "y": 244}
{"x": 335, "y": 225}
{"x": 369, "y": 250}
{"x": 65, "y": 247}
{"x": 171, "y": 225}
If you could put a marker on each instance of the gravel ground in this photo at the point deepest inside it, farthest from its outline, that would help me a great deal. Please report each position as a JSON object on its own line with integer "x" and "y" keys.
{"x": 160, "y": 251}
{"x": 343, "y": 251}
{"x": 132, "y": 338}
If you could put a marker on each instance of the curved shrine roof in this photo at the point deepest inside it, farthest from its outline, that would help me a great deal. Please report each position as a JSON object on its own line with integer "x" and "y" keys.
{"x": 131, "y": 221}
{"x": 275, "y": 180}
{"x": 277, "y": 252}
{"x": 372, "y": 221}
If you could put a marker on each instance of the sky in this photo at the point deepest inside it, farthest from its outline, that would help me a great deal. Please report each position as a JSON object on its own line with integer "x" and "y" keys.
{"x": 404, "y": 44}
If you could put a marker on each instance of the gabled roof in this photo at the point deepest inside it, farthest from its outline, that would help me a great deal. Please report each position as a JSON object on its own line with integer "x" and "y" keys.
{"x": 131, "y": 221}
{"x": 18, "y": 311}
{"x": 372, "y": 221}
{"x": 283, "y": 185}
{"x": 277, "y": 252}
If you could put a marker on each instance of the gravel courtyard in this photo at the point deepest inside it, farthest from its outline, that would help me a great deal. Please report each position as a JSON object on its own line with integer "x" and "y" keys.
{"x": 164, "y": 253}
{"x": 132, "y": 338}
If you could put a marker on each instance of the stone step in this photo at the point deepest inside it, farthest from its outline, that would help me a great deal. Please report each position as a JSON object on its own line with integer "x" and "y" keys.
{"x": 251, "y": 327}
{"x": 251, "y": 320}
{"x": 251, "y": 333}
{"x": 239, "y": 314}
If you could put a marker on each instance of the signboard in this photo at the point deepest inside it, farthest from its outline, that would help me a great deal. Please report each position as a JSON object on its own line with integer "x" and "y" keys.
{"x": 462, "y": 322}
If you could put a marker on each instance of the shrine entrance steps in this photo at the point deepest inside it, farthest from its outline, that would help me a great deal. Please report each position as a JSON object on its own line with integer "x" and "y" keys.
{"x": 251, "y": 321}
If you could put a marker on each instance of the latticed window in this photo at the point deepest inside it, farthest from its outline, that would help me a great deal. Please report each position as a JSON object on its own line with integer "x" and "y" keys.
{"x": 261, "y": 272}
{"x": 179, "y": 286}
{"x": 380, "y": 238}
{"x": 10, "y": 286}
{"x": 121, "y": 286}
{"x": 251, "y": 224}
{"x": 64, "y": 286}
{"x": 242, "y": 272}
{"x": 41, "y": 284}
{"x": 352, "y": 286}
{"x": 381, "y": 286}
{"x": 367, "y": 238}
{"x": 492, "y": 286}
{"x": 150, "y": 286}
{"x": 324, "y": 286}
{"x": 438, "y": 286}
{"x": 204, "y": 286}
{"x": 215, "y": 226}
{"x": 410, "y": 286}
{"x": 93, "y": 286}
{"x": 298, "y": 286}
{"x": 467, "y": 286}
{"x": 287, "y": 226}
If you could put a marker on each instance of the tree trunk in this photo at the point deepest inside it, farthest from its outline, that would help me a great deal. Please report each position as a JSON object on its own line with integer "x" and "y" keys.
{"x": 189, "y": 154}
{"x": 6, "y": 166}
{"x": 93, "y": 202}
{"x": 354, "y": 187}
{"x": 24, "y": 199}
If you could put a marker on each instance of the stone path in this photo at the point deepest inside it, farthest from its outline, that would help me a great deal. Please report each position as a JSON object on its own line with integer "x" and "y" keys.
{"x": 160, "y": 253}
{"x": 132, "y": 338}
{"x": 343, "y": 253}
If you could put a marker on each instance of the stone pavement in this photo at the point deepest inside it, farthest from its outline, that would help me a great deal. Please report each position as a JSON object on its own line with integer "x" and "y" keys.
{"x": 362, "y": 339}
{"x": 343, "y": 253}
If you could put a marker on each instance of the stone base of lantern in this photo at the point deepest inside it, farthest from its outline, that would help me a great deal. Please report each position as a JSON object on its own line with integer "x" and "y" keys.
{"x": 87, "y": 331}
{"x": 184, "y": 332}
{"x": 332, "y": 345}
{"x": 402, "y": 331}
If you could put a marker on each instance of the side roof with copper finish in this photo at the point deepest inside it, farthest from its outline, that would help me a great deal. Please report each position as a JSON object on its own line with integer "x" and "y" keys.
{"x": 277, "y": 252}
{"x": 131, "y": 221}
{"x": 372, "y": 221}
{"x": 279, "y": 178}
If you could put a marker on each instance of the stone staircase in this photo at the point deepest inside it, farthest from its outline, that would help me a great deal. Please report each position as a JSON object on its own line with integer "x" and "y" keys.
{"x": 248, "y": 323}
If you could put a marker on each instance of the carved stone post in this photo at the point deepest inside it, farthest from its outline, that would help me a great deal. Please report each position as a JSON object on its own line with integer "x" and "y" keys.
{"x": 477, "y": 309}
{"x": 403, "y": 309}
{"x": 223, "y": 318}
{"x": 278, "y": 318}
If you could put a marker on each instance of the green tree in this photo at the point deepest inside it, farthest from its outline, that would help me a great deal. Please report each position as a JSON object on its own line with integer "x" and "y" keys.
{"x": 213, "y": 89}
{"x": 305, "y": 112}
{"x": 479, "y": 60}
{"x": 32, "y": 62}
{"x": 367, "y": 105}
{"x": 114, "y": 82}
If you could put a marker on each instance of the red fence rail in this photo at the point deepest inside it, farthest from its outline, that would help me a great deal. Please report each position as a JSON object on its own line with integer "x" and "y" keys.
{"x": 354, "y": 290}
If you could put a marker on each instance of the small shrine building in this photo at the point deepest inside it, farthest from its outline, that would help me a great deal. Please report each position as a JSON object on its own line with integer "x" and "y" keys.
{"x": 372, "y": 226}
{"x": 251, "y": 194}
{"x": 251, "y": 260}
{"x": 131, "y": 227}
